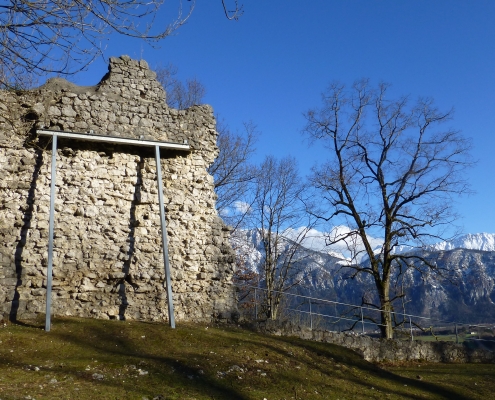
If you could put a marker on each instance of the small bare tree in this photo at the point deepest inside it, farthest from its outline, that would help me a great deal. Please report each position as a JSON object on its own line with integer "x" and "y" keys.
{"x": 184, "y": 96}
{"x": 278, "y": 215}
{"x": 232, "y": 171}
{"x": 56, "y": 36}
{"x": 179, "y": 95}
{"x": 167, "y": 76}
{"x": 393, "y": 173}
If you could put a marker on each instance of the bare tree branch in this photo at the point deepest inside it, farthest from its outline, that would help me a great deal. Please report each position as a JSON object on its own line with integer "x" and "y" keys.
{"x": 235, "y": 13}
{"x": 179, "y": 95}
{"x": 64, "y": 37}
{"x": 233, "y": 173}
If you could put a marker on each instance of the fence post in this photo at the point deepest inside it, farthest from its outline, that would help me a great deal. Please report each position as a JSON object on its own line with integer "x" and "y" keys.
{"x": 456, "y": 334}
{"x": 362, "y": 319}
{"x": 310, "y": 316}
{"x": 255, "y": 305}
{"x": 410, "y": 328}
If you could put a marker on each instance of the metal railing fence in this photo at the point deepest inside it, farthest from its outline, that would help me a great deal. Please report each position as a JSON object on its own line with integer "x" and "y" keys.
{"x": 317, "y": 313}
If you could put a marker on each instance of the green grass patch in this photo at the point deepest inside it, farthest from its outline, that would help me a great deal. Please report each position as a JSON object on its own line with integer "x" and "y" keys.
{"x": 85, "y": 358}
{"x": 438, "y": 338}
{"x": 451, "y": 338}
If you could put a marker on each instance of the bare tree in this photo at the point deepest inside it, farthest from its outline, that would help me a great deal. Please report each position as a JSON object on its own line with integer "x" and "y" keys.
{"x": 184, "y": 96}
{"x": 56, "y": 36}
{"x": 18, "y": 82}
{"x": 394, "y": 172}
{"x": 179, "y": 95}
{"x": 167, "y": 76}
{"x": 277, "y": 214}
{"x": 232, "y": 171}
{"x": 233, "y": 179}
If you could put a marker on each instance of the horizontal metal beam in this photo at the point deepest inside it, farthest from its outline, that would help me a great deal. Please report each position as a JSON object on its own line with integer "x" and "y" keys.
{"x": 115, "y": 139}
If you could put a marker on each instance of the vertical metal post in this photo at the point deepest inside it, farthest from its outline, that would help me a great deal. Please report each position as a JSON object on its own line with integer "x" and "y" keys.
{"x": 50, "y": 236}
{"x": 255, "y": 305}
{"x": 456, "y": 334}
{"x": 362, "y": 319}
{"x": 170, "y": 301}
{"x": 310, "y": 316}
{"x": 410, "y": 328}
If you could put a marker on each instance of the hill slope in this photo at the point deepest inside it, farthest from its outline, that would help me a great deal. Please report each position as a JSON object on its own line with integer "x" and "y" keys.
{"x": 86, "y": 359}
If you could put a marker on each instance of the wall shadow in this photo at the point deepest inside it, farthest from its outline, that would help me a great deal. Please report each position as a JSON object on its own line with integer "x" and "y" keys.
{"x": 26, "y": 225}
{"x": 131, "y": 240}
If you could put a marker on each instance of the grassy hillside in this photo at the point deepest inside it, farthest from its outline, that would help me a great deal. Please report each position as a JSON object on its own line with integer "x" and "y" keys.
{"x": 94, "y": 359}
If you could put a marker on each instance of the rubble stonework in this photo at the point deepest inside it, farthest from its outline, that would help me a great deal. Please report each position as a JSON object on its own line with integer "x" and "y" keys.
{"x": 388, "y": 350}
{"x": 108, "y": 260}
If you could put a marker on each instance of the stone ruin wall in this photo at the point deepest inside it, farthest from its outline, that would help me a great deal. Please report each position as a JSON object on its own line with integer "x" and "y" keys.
{"x": 108, "y": 260}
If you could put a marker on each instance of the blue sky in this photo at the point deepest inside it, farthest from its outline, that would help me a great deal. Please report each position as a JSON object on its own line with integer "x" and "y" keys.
{"x": 273, "y": 64}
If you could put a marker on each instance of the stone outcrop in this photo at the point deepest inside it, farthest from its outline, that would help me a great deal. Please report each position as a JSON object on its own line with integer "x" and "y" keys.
{"x": 108, "y": 260}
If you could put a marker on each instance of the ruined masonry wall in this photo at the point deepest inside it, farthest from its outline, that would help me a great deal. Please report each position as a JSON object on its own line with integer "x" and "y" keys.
{"x": 388, "y": 350}
{"x": 108, "y": 260}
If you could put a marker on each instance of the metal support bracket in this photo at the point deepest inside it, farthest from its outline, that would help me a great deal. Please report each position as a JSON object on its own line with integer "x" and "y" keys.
{"x": 170, "y": 301}
{"x": 117, "y": 140}
{"x": 50, "y": 236}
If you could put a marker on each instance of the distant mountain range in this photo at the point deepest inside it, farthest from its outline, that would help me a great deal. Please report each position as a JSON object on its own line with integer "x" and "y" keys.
{"x": 465, "y": 294}
{"x": 471, "y": 241}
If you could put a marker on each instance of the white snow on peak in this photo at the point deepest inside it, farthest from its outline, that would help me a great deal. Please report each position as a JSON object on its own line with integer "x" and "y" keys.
{"x": 470, "y": 241}
{"x": 247, "y": 243}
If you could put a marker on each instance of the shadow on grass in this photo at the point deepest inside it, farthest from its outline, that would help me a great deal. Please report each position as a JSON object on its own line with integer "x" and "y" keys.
{"x": 353, "y": 360}
{"x": 191, "y": 361}
{"x": 115, "y": 342}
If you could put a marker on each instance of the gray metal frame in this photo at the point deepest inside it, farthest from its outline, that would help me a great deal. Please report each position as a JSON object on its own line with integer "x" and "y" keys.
{"x": 170, "y": 302}
{"x": 119, "y": 140}
{"x": 50, "y": 235}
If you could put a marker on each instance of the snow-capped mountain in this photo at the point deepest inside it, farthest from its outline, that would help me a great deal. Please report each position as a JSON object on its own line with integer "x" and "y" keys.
{"x": 465, "y": 293}
{"x": 471, "y": 241}
{"x": 319, "y": 241}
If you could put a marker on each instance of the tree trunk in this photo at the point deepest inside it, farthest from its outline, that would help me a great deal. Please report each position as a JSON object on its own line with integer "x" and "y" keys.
{"x": 271, "y": 300}
{"x": 275, "y": 302}
{"x": 386, "y": 327}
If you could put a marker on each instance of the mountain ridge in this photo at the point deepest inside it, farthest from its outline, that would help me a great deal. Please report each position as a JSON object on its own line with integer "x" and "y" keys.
{"x": 471, "y": 241}
{"x": 467, "y": 292}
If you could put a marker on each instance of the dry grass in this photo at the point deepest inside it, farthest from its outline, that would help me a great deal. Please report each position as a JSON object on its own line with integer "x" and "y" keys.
{"x": 85, "y": 359}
